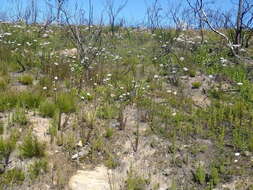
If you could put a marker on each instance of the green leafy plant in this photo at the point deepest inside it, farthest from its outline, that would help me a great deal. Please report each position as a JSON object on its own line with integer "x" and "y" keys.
{"x": 13, "y": 176}
{"x": 66, "y": 102}
{"x": 26, "y": 79}
{"x": 200, "y": 175}
{"x": 107, "y": 111}
{"x": 37, "y": 168}
{"x": 31, "y": 147}
{"x": 29, "y": 99}
{"x": 214, "y": 176}
{"x": 3, "y": 84}
{"x": 19, "y": 117}
{"x": 47, "y": 108}
{"x": 109, "y": 132}
{"x": 135, "y": 182}
{"x": 196, "y": 85}
{"x": 6, "y": 147}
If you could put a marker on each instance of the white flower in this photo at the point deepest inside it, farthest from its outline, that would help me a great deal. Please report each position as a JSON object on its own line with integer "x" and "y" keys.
{"x": 239, "y": 83}
{"x": 175, "y": 93}
{"x": 109, "y": 75}
{"x": 181, "y": 58}
{"x": 55, "y": 89}
{"x": 235, "y": 161}
{"x": 174, "y": 114}
{"x": 95, "y": 84}
{"x": 185, "y": 69}
{"x": 237, "y": 154}
{"x": 82, "y": 97}
{"x": 169, "y": 91}
{"x": 44, "y": 88}
{"x": 122, "y": 88}
{"x": 210, "y": 76}
{"x": 56, "y": 64}
{"x": 156, "y": 76}
{"x": 88, "y": 94}
{"x": 223, "y": 60}
{"x": 55, "y": 78}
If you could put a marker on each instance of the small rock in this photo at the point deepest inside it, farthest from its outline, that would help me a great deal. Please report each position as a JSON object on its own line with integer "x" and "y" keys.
{"x": 80, "y": 144}
{"x": 82, "y": 153}
{"x": 237, "y": 154}
{"x": 247, "y": 153}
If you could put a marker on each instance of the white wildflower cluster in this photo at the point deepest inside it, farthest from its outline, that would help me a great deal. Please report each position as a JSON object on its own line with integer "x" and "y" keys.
{"x": 237, "y": 154}
{"x": 185, "y": 39}
{"x": 185, "y": 69}
{"x": 156, "y": 77}
{"x": 172, "y": 92}
{"x": 181, "y": 58}
{"x": 107, "y": 78}
{"x": 223, "y": 60}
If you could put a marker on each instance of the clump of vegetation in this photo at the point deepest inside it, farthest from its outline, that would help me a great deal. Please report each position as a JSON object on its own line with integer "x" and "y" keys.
{"x": 11, "y": 177}
{"x": 47, "y": 108}
{"x": 200, "y": 175}
{"x": 37, "y": 168}
{"x": 135, "y": 182}
{"x": 8, "y": 100}
{"x": 66, "y": 102}
{"x": 196, "y": 85}
{"x": 3, "y": 83}
{"x": 107, "y": 111}
{"x": 29, "y": 99}
{"x": 19, "y": 116}
{"x": 31, "y": 147}
{"x": 26, "y": 79}
{"x": 1, "y": 127}
{"x": 6, "y": 147}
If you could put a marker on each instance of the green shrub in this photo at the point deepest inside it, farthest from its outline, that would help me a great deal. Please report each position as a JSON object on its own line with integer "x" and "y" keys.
{"x": 19, "y": 117}
{"x": 109, "y": 132}
{"x": 200, "y": 175}
{"x": 66, "y": 102}
{"x": 47, "y": 109}
{"x": 45, "y": 81}
{"x": 13, "y": 176}
{"x": 1, "y": 128}
{"x": 196, "y": 85}
{"x": 214, "y": 176}
{"x": 107, "y": 112}
{"x": 30, "y": 99}
{"x": 3, "y": 84}
{"x": 111, "y": 162}
{"x": 26, "y": 79}
{"x": 135, "y": 182}
{"x": 8, "y": 100}
{"x": 192, "y": 73}
{"x": 31, "y": 147}
{"x": 37, "y": 168}
{"x": 6, "y": 147}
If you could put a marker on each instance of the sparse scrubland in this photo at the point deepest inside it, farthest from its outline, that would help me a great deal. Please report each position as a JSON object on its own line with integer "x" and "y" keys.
{"x": 150, "y": 110}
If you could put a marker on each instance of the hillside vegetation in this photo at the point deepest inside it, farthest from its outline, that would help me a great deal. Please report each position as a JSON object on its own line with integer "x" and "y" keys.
{"x": 150, "y": 110}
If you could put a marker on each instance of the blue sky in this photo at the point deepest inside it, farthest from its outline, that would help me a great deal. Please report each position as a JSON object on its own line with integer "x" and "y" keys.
{"x": 134, "y": 11}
